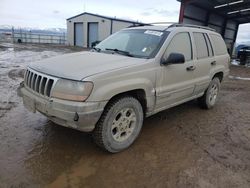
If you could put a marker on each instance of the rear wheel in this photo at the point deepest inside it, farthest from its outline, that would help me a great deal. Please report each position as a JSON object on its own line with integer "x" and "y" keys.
{"x": 210, "y": 96}
{"x": 119, "y": 125}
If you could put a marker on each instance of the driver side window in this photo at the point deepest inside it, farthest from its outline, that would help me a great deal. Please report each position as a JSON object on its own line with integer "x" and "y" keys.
{"x": 181, "y": 43}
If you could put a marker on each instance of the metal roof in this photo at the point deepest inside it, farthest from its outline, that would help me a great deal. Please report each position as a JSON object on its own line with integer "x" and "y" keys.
{"x": 236, "y": 10}
{"x": 105, "y": 17}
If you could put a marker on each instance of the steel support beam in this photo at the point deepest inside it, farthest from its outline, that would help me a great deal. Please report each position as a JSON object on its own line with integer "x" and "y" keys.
{"x": 182, "y": 9}
{"x": 224, "y": 26}
{"x": 236, "y": 33}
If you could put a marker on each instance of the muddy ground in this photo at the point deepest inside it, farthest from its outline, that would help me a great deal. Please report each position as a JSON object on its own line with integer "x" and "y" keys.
{"x": 181, "y": 147}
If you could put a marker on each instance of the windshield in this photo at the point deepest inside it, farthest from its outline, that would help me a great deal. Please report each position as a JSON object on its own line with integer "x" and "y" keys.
{"x": 135, "y": 43}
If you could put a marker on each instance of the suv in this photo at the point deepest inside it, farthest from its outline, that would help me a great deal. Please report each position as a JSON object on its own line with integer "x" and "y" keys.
{"x": 132, "y": 74}
{"x": 244, "y": 55}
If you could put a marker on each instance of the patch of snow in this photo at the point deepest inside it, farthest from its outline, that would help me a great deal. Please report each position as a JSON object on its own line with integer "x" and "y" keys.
{"x": 238, "y": 78}
{"x": 235, "y": 62}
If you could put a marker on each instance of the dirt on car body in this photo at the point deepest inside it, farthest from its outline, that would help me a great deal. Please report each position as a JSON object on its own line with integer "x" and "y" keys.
{"x": 180, "y": 147}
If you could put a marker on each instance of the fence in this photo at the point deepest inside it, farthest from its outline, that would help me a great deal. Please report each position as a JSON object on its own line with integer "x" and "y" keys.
{"x": 21, "y": 36}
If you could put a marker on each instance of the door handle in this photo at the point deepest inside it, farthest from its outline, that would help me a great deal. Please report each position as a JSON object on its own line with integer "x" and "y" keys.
{"x": 191, "y": 68}
{"x": 213, "y": 63}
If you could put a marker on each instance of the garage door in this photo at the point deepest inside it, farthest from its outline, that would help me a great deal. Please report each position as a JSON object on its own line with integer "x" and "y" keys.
{"x": 79, "y": 34}
{"x": 92, "y": 33}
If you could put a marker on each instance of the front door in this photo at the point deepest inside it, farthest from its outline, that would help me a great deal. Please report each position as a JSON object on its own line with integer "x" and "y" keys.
{"x": 175, "y": 83}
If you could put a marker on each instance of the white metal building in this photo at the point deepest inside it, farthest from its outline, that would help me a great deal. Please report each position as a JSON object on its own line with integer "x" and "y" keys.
{"x": 86, "y": 28}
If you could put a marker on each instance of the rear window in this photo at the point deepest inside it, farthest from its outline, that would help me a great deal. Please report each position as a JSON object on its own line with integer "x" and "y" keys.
{"x": 210, "y": 50}
{"x": 218, "y": 44}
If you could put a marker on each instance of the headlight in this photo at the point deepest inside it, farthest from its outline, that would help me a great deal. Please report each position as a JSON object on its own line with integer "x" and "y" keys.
{"x": 72, "y": 90}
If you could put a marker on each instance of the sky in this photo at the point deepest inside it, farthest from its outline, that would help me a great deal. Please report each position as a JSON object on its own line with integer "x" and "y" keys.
{"x": 53, "y": 13}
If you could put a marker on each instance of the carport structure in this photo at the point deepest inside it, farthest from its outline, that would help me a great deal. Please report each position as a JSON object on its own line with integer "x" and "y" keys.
{"x": 224, "y": 16}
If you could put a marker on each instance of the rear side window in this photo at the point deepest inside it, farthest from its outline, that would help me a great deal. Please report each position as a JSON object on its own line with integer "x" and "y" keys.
{"x": 210, "y": 49}
{"x": 201, "y": 45}
{"x": 180, "y": 43}
{"x": 218, "y": 44}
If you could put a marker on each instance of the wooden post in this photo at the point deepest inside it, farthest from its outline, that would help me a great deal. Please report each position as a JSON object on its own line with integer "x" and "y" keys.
{"x": 64, "y": 38}
{"x": 13, "y": 33}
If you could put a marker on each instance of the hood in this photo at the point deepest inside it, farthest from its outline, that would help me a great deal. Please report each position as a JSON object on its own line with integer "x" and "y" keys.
{"x": 77, "y": 66}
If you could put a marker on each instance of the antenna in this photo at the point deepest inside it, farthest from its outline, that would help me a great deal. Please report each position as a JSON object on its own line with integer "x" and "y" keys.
{"x": 84, "y": 6}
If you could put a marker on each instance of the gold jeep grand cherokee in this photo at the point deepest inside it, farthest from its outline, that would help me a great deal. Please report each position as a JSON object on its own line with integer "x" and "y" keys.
{"x": 129, "y": 76}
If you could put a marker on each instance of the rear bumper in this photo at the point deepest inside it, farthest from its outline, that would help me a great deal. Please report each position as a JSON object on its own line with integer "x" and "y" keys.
{"x": 82, "y": 116}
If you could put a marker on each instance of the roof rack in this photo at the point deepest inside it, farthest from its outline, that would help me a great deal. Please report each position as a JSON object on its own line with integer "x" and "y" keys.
{"x": 163, "y": 23}
{"x": 138, "y": 25}
{"x": 190, "y": 25}
{"x": 152, "y": 24}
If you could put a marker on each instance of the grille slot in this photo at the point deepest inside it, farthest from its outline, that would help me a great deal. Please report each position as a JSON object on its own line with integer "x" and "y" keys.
{"x": 39, "y": 83}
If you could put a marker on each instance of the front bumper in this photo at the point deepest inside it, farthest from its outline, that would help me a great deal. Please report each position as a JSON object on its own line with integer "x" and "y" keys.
{"x": 82, "y": 116}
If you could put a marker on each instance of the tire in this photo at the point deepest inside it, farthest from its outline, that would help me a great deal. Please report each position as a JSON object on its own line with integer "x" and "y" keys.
{"x": 208, "y": 100}
{"x": 242, "y": 59}
{"x": 119, "y": 125}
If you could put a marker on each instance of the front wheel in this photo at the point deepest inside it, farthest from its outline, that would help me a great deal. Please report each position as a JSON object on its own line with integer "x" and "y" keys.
{"x": 119, "y": 125}
{"x": 210, "y": 96}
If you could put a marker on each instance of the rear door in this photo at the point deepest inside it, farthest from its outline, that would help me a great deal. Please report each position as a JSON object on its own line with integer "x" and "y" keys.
{"x": 175, "y": 82}
{"x": 221, "y": 54}
{"x": 204, "y": 60}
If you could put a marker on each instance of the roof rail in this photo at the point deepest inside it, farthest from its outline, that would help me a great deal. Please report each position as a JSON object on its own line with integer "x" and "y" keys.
{"x": 193, "y": 26}
{"x": 152, "y": 24}
{"x": 138, "y": 25}
{"x": 163, "y": 23}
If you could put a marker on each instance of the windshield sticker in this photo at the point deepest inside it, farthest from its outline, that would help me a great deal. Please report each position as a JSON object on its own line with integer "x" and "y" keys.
{"x": 156, "y": 33}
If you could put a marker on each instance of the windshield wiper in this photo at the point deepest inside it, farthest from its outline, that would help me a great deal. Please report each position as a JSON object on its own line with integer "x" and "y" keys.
{"x": 120, "y": 51}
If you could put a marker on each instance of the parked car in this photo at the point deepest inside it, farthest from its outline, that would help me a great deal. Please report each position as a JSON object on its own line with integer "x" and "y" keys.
{"x": 129, "y": 76}
{"x": 93, "y": 44}
{"x": 244, "y": 55}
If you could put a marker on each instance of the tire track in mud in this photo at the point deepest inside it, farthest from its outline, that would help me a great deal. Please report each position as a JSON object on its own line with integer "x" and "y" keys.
{"x": 181, "y": 147}
{"x": 13, "y": 61}
{"x": 225, "y": 142}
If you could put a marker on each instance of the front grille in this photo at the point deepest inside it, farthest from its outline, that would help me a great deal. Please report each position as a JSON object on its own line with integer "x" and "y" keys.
{"x": 38, "y": 82}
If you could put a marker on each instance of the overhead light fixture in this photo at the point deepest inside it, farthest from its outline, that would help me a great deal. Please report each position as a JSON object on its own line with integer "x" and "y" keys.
{"x": 219, "y": 6}
{"x": 244, "y": 10}
{"x": 228, "y": 4}
{"x": 236, "y": 2}
{"x": 237, "y": 11}
{"x": 233, "y": 12}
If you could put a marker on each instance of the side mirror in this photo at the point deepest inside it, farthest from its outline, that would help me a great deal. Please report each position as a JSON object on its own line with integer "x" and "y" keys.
{"x": 174, "y": 58}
